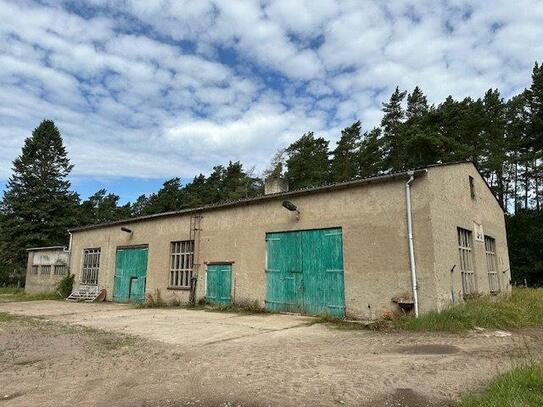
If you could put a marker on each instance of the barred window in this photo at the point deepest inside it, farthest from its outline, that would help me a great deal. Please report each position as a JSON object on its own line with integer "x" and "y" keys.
{"x": 465, "y": 244}
{"x": 492, "y": 264}
{"x": 45, "y": 270}
{"x": 34, "y": 269}
{"x": 91, "y": 266}
{"x": 60, "y": 269}
{"x": 181, "y": 263}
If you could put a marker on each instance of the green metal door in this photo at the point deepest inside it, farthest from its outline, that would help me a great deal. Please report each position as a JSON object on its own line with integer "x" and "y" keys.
{"x": 305, "y": 272}
{"x": 284, "y": 272}
{"x": 130, "y": 274}
{"x": 219, "y": 283}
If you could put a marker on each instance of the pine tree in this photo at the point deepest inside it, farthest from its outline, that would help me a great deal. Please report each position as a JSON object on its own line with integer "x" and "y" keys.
{"x": 417, "y": 105}
{"x": 421, "y": 142}
{"x": 307, "y": 163}
{"x": 392, "y": 125}
{"x": 344, "y": 164}
{"x": 494, "y": 143}
{"x": 516, "y": 124}
{"x": 534, "y": 96}
{"x": 102, "y": 207}
{"x": 237, "y": 184}
{"x": 370, "y": 155}
{"x": 38, "y": 206}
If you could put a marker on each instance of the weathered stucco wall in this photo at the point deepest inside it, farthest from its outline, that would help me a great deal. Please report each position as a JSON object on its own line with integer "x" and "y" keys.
{"x": 372, "y": 217}
{"x": 373, "y": 221}
{"x": 39, "y": 283}
{"x": 453, "y": 207}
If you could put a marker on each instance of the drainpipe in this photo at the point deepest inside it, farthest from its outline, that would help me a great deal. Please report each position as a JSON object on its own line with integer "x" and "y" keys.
{"x": 412, "y": 264}
{"x": 69, "y": 244}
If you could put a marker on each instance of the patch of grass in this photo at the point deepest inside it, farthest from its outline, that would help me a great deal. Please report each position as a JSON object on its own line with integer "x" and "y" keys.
{"x": 6, "y": 317}
{"x": 522, "y": 387}
{"x": 22, "y": 296}
{"x": 102, "y": 340}
{"x": 11, "y": 290}
{"x": 522, "y": 309}
{"x": 240, "y": 307}
{"x": 340, "y": 323}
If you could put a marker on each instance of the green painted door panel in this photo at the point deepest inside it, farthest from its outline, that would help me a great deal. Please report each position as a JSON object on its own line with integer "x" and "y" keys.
{"x": 130, "y": 275}
{"x": 305, "y": 272}
{"x": 219, "y": 283}
{"x": 284, "y": 272}
{"x": 323, "y": 272}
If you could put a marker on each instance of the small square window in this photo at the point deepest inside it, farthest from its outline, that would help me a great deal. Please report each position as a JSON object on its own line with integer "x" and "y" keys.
{"x": 472, "y": 187}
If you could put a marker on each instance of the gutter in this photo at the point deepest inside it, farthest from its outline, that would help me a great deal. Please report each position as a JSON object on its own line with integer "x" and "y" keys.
{"x": 410, "y": 241}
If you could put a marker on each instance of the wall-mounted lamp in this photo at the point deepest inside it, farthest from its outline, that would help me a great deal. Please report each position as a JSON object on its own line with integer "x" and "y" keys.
{"x": 126, "y": 230}
{"x": 291, "y": 207}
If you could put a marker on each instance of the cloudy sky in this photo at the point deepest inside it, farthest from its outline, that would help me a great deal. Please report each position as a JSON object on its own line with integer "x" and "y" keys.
{"x": 147, "y": 90}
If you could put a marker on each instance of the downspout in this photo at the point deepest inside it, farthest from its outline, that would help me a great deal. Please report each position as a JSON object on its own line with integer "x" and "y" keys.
{"x": 69, "y": 244}
{"x": 412, "y": 264}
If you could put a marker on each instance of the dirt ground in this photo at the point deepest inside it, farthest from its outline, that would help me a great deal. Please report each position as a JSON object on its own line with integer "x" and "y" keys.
{"x": 179, "y": 357}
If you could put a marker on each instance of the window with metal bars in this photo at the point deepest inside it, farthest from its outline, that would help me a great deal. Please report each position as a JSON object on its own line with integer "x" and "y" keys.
{"x": 60, "y": 269}
{"x": 35, "y": 269}
{"x": 467, "y": 270}
{"x": 492, "y": 264}
{"x": 91, "y": 266}
{"x": 181, "y": 263}
{"x": 45, "y": 270}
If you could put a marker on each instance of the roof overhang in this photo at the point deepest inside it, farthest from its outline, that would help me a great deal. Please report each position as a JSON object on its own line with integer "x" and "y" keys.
{"x": 263, "y": 198}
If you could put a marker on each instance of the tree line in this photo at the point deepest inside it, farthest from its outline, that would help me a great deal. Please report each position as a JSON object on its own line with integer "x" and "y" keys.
{"x": 504, "y": 138}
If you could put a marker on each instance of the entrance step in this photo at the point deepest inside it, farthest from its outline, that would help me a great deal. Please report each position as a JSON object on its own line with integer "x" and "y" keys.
{"x": 87, "y": 293}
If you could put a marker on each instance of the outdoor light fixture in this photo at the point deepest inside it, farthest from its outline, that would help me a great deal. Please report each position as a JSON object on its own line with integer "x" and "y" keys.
{"x": 291, "y": 207}
{"x": 126, "y": 230}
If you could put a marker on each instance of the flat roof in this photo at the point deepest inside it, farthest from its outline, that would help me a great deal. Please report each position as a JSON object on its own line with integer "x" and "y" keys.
{"x": 248, "y": 201}
{"x": 33, "y": 249}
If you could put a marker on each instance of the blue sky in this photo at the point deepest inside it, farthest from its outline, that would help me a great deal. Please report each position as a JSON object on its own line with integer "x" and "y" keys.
{"x": 143, "y": 91}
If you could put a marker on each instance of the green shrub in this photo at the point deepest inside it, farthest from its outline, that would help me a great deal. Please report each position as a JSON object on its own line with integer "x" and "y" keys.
{"x": 65, "y": 286}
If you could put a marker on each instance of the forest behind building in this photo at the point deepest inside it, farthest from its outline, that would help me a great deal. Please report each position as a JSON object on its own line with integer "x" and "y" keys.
{"x": 503, "y": 137}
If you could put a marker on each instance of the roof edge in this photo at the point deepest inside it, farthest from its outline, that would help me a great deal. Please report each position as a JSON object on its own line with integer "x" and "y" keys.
{"x": 248, "y": 201}
{"x": 35, "y": 249}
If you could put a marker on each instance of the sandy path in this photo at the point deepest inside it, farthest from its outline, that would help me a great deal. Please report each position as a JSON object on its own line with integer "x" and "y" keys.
{"x": 203, "y": 358}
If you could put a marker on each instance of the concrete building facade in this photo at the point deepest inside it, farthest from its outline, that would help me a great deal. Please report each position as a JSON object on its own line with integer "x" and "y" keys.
{"x": 343, "y": 248}
{"x": 46, "y": 266}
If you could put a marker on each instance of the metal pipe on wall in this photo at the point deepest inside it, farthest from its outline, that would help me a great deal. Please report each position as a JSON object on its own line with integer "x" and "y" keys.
{"x": 412, "y": 263}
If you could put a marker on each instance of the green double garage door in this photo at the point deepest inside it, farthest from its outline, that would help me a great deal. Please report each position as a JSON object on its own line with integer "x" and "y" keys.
{"x": 130, "y": 274}
{"x": 305, "y": 272}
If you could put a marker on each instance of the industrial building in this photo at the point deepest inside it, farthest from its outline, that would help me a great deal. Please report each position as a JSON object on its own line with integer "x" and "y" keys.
{"x": 413, "y": 241}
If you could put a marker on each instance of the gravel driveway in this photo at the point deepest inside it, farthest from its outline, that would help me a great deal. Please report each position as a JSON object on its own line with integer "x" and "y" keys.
{"x": 187, "y": 357}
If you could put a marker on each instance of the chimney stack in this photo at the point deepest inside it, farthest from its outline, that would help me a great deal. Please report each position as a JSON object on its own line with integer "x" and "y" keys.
{"x": 274, "y": 185}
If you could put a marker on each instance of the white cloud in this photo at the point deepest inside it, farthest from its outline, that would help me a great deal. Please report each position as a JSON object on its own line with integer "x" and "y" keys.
{"x": 171, "y": 88}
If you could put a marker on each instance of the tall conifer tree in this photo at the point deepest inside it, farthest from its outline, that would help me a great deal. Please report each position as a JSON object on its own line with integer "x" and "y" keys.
{"x": 38, "y": 206}
{"x": 343, "y": 166}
